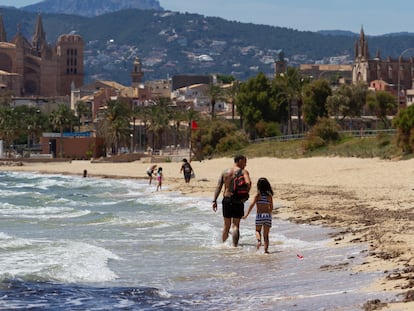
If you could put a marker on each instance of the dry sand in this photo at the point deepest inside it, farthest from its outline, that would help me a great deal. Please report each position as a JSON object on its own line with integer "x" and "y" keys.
{"x": 368, "y": 200}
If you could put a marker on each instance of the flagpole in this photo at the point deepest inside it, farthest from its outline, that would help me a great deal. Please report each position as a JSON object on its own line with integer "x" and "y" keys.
{"x": 189, "y": 144}
{"x": 193, "y": 126}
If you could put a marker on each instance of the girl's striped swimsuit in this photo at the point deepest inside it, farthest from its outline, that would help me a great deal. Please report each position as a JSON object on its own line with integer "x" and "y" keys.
{"x": 264, "y": 219}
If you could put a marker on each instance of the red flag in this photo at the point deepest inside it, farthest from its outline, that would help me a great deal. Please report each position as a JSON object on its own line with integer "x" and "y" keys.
{"x": 194, "y": 125}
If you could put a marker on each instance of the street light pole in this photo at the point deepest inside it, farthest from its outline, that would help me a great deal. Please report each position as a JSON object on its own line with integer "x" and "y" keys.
{"x": 322, "y": 73}
{"x": 399, "y": 76}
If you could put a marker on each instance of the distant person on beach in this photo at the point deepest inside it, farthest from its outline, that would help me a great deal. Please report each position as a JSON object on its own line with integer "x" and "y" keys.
{"x": 150, "y": 172}
{"x": 233, "y": 210}
{"x": 85, "y": 173}
{"x": 264, "y": 204}
{"x": 187, "y": 170}
{"x": 159, "y": 178}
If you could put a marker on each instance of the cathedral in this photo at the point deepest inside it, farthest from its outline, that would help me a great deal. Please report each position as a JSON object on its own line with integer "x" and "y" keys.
{"x": 369, "y": 70}
{"x": 37, "y": 69}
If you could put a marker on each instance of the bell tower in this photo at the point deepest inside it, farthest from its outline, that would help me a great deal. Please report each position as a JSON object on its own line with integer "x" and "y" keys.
{"x": 137, "y": 73}
{"x": 70, "y": 62}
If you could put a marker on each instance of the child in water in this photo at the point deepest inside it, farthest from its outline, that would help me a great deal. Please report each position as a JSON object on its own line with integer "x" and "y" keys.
{"x": 159, "y": 178}
{"x": 150, "y": 172}
{"x": 264, "y": 204}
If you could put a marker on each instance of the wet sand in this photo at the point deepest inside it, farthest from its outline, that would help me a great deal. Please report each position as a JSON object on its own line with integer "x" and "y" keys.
{"x": 367, "y": 200}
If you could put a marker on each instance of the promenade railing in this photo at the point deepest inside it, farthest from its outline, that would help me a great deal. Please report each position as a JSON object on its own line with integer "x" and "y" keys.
{"x": 352, "y": 133}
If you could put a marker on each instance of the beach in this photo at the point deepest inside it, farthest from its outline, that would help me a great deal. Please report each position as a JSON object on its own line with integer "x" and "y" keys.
{"x": 367, "y": 200}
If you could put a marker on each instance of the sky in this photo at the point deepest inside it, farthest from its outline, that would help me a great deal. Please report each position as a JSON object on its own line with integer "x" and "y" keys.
{"x": 377, "y": 17}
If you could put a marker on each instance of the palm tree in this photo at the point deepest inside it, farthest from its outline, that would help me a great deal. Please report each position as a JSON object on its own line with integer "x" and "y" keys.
{"x": 82, "y": 109}
{"x": 115, "y": 126}
{"x": 230, "y": 95}
{"x": 214, "y": 92}
{"x": 178, "y": 116}
{"x": 141, "y": 114}
{"x": 159, "y": 117}
{"x": 9, "y": 125}
{"x": 33, "y": 123}
{"x": 61, "y": 119}
{"x": 292, "y": 83}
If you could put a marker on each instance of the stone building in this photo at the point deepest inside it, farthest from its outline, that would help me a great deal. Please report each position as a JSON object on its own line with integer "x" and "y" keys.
{"x": 367, "y": 69}
{"x": 37, "y": 69}
{"x": 336, "y": 74}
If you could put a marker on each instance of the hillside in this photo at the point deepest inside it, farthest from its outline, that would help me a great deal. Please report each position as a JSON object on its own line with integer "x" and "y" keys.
{"x": 170, "y": 43}
{"x": 91, "y": 7}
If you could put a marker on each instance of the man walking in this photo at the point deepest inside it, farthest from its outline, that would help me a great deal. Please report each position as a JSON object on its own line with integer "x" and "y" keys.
{"x": 233, "y": 210}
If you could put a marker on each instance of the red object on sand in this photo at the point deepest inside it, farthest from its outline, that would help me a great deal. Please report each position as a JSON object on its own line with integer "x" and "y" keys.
{"x": 299, "y": 256}
{"x": 194, "y": 125}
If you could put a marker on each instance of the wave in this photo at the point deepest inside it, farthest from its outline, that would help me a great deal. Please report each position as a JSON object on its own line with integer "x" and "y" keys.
{"x": 40, "y": 212}
{"x": 63, "y": 261}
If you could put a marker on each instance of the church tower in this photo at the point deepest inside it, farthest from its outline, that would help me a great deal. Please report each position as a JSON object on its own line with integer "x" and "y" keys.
{"x": 137, "y": 73}
{"x": 280, "y": 64}
{"x": 39, "y": 37}
{"x": 360, "y": 69}
{"x": 361, "y": 47}
{"x": 70, "y": 62}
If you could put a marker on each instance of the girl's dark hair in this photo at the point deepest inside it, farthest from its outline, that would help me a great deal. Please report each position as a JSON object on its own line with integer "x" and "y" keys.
{"x": 239, "y": 157}
{"x": 264, "y": 186}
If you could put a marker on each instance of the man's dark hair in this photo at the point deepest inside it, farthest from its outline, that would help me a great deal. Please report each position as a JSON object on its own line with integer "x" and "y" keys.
{"x": 239, "y": 157}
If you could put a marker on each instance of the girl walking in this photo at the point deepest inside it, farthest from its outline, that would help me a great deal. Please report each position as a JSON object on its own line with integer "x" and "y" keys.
{"x": 159, "y": 178}
{"x": 264, "y": 204}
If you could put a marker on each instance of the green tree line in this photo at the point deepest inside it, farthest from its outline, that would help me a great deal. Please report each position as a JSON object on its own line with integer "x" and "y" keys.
{"x": 288, "y": 104}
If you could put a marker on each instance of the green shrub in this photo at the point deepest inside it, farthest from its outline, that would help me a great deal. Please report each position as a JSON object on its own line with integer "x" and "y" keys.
{"x": 313, "y": 142}
{"x": 233, "y": 142}
{"x": 327, "y": 129}
{"x": 383, "y": 141}
{"x": 321, "y": 134}
{"x": 267, "y": 129}
{"x": 221, "y": 136}
{"x": 411, "y": 140}
{"x": 405, "y": 125}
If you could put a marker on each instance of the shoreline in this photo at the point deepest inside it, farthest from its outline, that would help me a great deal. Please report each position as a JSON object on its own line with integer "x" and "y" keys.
{"x": 367, "y": 200}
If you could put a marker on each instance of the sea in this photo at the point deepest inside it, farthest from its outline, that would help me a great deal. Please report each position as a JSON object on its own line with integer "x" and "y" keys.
{"x": 74, "y": 243}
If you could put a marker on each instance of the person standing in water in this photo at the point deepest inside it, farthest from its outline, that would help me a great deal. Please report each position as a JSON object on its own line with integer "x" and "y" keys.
{"x": 233, "y": 210}
{"x": 150, "y": 172}
{"x": 159, "y": 178}
{"x": 187, "y": 170}
{"x": 264, "y": 204}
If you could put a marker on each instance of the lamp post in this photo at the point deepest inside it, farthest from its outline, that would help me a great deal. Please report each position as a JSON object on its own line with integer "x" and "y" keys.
{"x": 399, "y": 76}
{"x": 322, "y": 73}
{"x": 288, "y": 99}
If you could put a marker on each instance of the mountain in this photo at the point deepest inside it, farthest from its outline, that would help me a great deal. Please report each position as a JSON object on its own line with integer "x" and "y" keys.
{"x": 170, "y": 43}
{"x": 91, "y": 8}
{"x": 353, "y": 34}
{"x": 337, "y": 33}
